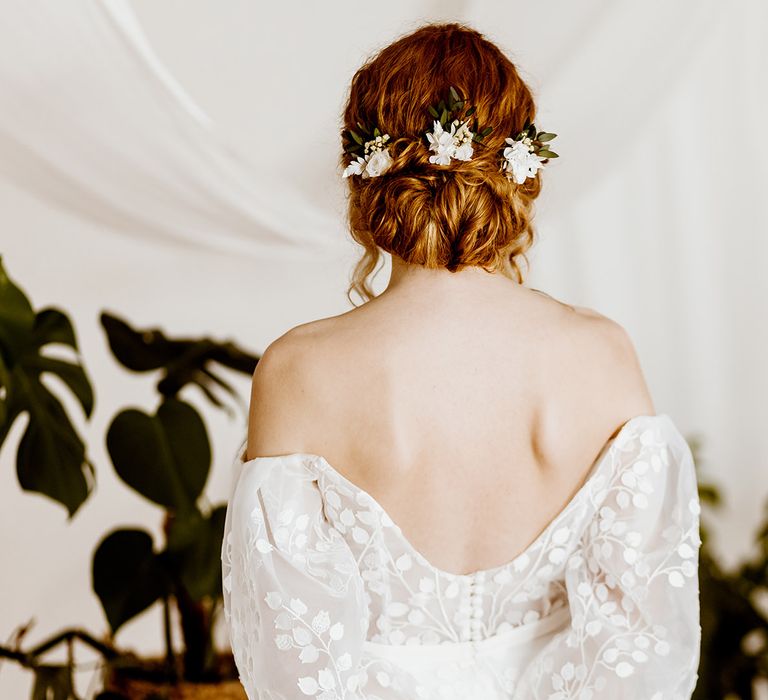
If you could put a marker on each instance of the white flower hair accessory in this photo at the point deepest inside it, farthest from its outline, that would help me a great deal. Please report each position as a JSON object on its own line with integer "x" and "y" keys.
{"x": 526, "y": 153}
{"x": 457, "y": 142}
{"x": 451, "y": 138}
{"x": 373, "y": 157}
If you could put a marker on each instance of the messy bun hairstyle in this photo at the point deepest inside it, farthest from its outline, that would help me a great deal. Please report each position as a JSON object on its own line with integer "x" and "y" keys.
{"x": 439, "y": 216}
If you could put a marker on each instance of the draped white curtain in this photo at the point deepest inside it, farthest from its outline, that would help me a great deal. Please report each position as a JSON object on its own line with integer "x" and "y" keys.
{"x": 202, "y": 138}
{"x": 93, "y": 122}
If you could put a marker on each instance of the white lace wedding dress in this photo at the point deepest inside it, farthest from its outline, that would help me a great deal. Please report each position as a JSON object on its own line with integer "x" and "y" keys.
{"x": 325, "y": 598}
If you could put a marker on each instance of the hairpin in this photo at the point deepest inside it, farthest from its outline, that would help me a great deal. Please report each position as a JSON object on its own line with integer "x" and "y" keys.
{"x": 371, "y": 146}
{"x": 456, "y": 143}
{"x": 526, "y": 153}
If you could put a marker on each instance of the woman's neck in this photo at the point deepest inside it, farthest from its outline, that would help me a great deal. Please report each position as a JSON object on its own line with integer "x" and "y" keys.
{"x": 468, "y": 280}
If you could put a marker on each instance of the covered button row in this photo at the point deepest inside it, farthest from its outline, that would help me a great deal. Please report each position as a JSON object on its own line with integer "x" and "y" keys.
{"x": 471, "y": 608}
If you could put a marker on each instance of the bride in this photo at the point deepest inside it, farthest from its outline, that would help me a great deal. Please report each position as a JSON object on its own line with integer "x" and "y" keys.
{"x": 460, "y": 488}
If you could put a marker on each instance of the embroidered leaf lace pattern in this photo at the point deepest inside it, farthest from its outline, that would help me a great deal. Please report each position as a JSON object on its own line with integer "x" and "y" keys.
{"x": 324, "y": 597}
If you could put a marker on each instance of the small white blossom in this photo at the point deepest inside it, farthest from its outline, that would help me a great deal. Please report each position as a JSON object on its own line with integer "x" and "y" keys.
{"x": 464, "y": 152}
{"x": 376, "y": 161}
{"x": 441, "y": 142}
{"x": 456, "y": 143}
{"x": 355, "y": 167}
{"x": 520, "y": 161}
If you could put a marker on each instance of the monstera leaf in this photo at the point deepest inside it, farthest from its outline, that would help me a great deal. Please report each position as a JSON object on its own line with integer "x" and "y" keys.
{"x": 182, "y": 361}
{"x": 51, "y": 458}
{"x": 194, "y": 551}
{"x": 127, "y": 575}
{"x": 165, "y": 457}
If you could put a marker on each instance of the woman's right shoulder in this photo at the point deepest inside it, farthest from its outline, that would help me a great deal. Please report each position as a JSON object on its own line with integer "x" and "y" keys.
{"x": 615, "y": 364}
{"x": 601, "y": 356}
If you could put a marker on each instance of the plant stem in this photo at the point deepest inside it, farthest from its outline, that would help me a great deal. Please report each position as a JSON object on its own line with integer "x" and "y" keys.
{"x": 170, "y": 660}
{"x": 29, "y": 658}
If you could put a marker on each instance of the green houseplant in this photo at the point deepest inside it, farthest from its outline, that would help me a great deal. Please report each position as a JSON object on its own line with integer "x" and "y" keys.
{"x": 734, "y": 615}
{"x": 51, "y": 458}
{"x": 165, "y": 457}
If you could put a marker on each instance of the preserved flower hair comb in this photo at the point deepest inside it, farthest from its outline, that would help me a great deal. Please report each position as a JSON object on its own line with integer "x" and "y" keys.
{"x": 457, "y": 142}
{"x": 371, "y": 148}
{"x": 452, "y": 137}
{"x": 526, "y": 153}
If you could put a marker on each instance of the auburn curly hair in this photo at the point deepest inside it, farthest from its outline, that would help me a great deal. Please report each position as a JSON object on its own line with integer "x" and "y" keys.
{"x": 450, "y": 216}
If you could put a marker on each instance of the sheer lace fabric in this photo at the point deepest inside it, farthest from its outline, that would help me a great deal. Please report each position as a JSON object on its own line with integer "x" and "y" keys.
{"x": 324, "y": 597}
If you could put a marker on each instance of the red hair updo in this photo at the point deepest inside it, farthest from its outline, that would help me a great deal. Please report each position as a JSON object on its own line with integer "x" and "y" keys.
{"x": 440, "y": 216}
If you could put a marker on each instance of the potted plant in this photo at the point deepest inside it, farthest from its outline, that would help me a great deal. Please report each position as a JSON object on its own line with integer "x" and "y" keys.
{"x": 165, "y": 457}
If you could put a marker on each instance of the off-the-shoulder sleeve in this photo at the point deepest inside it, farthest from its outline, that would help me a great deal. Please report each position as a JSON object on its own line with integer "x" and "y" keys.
{"x": 294, "y": 601}
{"x": 632, "y": 583}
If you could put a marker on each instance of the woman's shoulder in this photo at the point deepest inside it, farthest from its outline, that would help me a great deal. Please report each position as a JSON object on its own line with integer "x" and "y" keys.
{"x": 571, "y": 337}
{"x": 590, "y": 318}
{"x": 299, "y": 376}
{"x": 616, "y": 361}
{"x": 599, "y": 335}
{"x": 278, "y": 397}
{"x": 591, "y": 377}
{"x": 588, "y": 365}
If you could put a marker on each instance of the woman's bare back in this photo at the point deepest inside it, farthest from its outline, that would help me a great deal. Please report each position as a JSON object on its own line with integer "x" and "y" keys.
{"x": 472, "y": 418}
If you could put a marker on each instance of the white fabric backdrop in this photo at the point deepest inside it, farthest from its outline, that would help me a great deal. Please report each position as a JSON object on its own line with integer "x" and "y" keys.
{"x": 175, "y": 163}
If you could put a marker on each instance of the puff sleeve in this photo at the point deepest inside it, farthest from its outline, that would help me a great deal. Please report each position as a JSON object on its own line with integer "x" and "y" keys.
{"x": 294, "y": 602}
{"x": 632, "y": 583}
